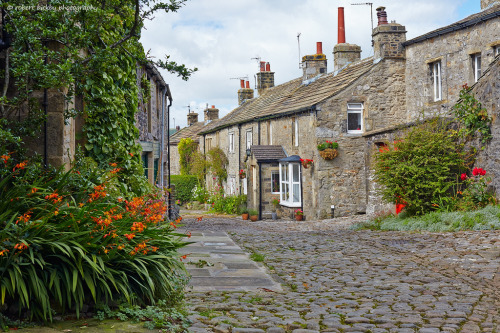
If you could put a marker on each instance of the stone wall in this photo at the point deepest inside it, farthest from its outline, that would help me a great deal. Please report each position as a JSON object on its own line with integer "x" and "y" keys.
{"x": 454, "y": 51}
{"x": 175, "y": 167}
{"x": 148, "y": 116}
{"x": 388, "y": 39}
{"x": 487, "y": 91}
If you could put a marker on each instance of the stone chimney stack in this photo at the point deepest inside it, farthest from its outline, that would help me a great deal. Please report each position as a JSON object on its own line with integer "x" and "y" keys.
{"x": 344, "y": 53}
{"x": 313, "y": 65}
{"x": 487, "y": 3}
{"x": 265, "y": 78}
{"x": 245, "y": 93}
{"x": 388, "y": 38}
{"x": 192, "y": 118}
{"x": 211, "y": 114}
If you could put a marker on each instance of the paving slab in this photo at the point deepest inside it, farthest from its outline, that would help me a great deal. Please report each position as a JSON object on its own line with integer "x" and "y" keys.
{"x": 216, "y": 263}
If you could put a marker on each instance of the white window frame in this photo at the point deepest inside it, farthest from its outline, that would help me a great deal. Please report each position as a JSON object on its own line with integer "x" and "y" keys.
{"x": 275, "y": 172}
{"x": 231, "y": 142}
{"x": 286, "y": 169}
{"x": 496, "y": 50}
{"x": 270, "y": 132}
{"x": 249, "y": 139}
{"x": 356, "y": 108}
{"x": 436, "y": 80}
{"x": 476, "y": 66}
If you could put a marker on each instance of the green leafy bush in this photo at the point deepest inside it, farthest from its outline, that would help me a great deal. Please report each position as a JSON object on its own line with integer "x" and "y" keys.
{"x": 66, "y": 242}
{"x": 184, "y": 186}
{"x": 474, "y": 119}
{"x": 421, "y": 167}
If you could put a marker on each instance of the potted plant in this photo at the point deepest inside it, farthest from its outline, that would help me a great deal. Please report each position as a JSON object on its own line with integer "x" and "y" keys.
{"x": 254, "y": 215}
{"x": 244, "y": 213}
{"x": 306, "y": 162}
{"x": 275, "y": 203}
{"x": 299, "y": 215}
{"x": 243, "y": 174}
{"x": 328, "y": 149}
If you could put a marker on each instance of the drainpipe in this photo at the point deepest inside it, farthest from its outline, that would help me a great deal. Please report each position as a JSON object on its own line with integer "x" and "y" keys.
{"x": 258, "y": 132}
{"x": 239, "y": 152}
{"x": 169, "y": 95}
{"x": 162, "y": 139}
{"x": 260, "y": 190}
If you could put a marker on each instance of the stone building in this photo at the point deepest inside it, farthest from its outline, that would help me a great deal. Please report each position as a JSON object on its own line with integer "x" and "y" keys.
{"x": 152, "y": 122}
{"x": 360, "y": 104}
{"x": 438, "y": 64}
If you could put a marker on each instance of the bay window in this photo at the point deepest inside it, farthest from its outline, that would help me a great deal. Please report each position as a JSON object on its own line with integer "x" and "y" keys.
{"x": 290, "y": 182}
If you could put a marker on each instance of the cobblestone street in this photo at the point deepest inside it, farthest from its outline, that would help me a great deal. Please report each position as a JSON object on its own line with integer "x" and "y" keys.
{"x": 338, "y": 280}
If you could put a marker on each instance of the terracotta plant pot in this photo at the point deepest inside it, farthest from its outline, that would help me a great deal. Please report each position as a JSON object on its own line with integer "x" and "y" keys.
{"x": 299, "y": 217}
{"x": 244, "y": 216}
{"x": 254, "y": 218}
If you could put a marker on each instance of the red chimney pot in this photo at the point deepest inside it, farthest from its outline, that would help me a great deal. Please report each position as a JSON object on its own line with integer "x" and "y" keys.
{"x": 268, "y": 67}
{"x": 242, "y": 83}
{"x": 319, "y": 48}
{"x": 341, "y": 30}
{"x": 382, "y": 16}
{"x": 213, "y": 106}
{"x": 248, "y": 84}
{"x": 262, "y": 66}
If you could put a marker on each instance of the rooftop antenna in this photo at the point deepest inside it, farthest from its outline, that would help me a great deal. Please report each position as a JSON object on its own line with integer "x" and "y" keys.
{"x": 258, "y": 60}
{"x": 298, "y": 41}
{"x": 371, "y": 12}
{"x": 189, "y": 108}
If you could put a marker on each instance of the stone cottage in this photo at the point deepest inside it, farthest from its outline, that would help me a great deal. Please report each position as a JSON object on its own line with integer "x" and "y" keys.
{"x": 438, "y": 64}
{"x": 267, "y": 136}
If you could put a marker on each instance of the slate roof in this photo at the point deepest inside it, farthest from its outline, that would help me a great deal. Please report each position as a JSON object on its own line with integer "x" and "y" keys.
{"x": 187, "y": 132}
{"x": 292, "y": 96}
{"x": 268, "y": 153}
{"x": 487, "y": 14}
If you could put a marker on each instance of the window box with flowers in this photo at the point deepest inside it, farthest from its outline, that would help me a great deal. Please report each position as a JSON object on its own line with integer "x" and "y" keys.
{"x": 328, "y": 150}
{"x": 299, "y": 215}
{"x": 243, "y": 174}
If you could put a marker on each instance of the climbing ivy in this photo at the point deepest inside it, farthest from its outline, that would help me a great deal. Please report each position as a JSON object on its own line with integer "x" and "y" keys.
{"x": 187, "y": 148}
{"x": 89, "y": 48}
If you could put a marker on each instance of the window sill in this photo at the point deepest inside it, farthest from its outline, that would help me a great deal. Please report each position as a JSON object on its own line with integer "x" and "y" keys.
{"x": 291, "y": 205}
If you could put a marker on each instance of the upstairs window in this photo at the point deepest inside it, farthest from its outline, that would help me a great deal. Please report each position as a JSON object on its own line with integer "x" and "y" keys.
{"x": 496, "y": 50}
{"x": 476, "y": 66}
{"x": 354, "y": 117}
{"x": 249, "y": 139}
{"x": 436, "y": 80}
{"x": 231, "y": 142}
{"x": 295, "y": 132}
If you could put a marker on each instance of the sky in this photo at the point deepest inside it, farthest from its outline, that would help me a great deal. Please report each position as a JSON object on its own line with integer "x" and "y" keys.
{"x": 225, "y": 38}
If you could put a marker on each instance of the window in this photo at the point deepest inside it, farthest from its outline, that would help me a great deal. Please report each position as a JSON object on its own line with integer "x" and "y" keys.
{"x": 295, "y": 131}
{"x": 275, "y": 182}
{"x": 231, "y": 142}
{"x": 354, "y": 117}
{"x": 476, "y": 66}
{"x": 208, "y": 144}
{"x": 496, "y": 50}
{"x": 290, "y": 184}
{"x": 269, "y": 133}
{"x": 249, "y": 139}
{"x": 436, "y": 79}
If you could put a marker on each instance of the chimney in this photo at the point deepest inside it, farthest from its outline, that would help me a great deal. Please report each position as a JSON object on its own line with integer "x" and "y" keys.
{"x": 313, "y": 65}
{"x": 341, "y": 27}
{"x": 192, "y": 118}
{"x": 177, "y": 128}
{"x": 265, "y": 78}
{"x": 211, "y": 114}
{"x": 388, "y": 38}
{"x": 245, "y": 93}
{"x": 344, "y": 53}
{"x": 489, "y": 3}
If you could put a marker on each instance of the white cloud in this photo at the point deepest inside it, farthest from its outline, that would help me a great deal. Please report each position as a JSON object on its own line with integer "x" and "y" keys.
{"x": 221, "y": 36}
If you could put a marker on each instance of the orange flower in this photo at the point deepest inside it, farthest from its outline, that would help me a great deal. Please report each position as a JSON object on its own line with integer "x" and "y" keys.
{"x": 20, "y": 246}
{"x": 24, "y": 218}
{"x": 188, "y": 234}
{"x": 33, "y": 190}
{"x": 113, "y": 164}
{"x": 3, "y": 252}
{"x": 154, "y": 248}
{"x": 5, "y": 158}
{"x": 20, "y": 165}
{"x": 129, "y": 236}
{"x": 116, "y": 170}
{"x": 138, "y": 226}
{"x": 131, "y": 154}
{"x": 56, "y": 212}
{"x": 121, "y": 247}
{"x": 54, "y": 197}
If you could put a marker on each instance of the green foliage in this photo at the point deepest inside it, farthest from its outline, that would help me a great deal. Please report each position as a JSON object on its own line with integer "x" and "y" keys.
{"x": 160, "y": 316}
{"x": 92, "y": 52}
{"x": 218, "y": 163}
{"x": 230, "y": 204}
{"x": 258, "y": 257}
{"x": 187, "y": 148}
{"x": 65, "y": 241}
{"x": 200, "y": 194}
{"x": 487, "y": 218}
{"x": 184, "y": 186}
{"x": 421, "y": 167}
{"x": 328, "y": 144}
{"x": 253, "y": 212}
{"x": 474, "y": 119}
